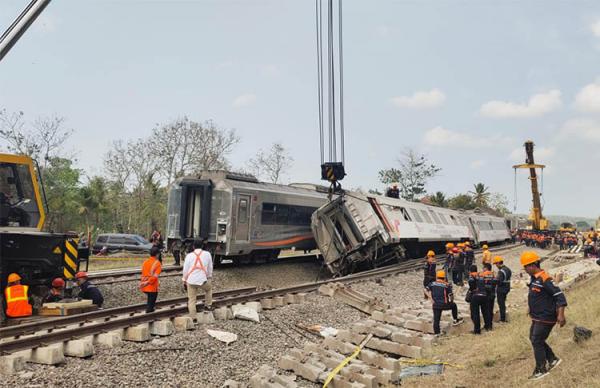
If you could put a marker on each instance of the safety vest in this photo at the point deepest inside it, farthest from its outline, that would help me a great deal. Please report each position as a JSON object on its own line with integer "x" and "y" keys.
{"x": 149, "y": 281}
{"x": 17, "y": 303}
{"x": 487, "y": 257}
{"x": 198, "y": 266}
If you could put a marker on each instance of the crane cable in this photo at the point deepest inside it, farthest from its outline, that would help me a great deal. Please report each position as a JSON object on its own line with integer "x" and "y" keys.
{"x": 319, "y": 23}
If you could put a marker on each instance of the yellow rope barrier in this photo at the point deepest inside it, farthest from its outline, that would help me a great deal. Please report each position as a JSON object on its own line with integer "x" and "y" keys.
{"x": 338, "y": 368}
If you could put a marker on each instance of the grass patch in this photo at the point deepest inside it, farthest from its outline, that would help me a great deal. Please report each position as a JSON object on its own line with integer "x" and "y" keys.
{"x": 504, "y": 357}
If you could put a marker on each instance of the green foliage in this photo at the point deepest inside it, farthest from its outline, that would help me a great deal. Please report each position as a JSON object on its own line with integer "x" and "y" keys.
{"x": 480, "y": 194}
{"x": 439, "y": 199}
{"x": 61, "y": 184}
{"x": 462, "y": 201}
{"x": 412, "y": 175}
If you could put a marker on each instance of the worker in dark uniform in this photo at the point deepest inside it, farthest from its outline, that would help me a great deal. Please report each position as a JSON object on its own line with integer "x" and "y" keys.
{"x": 489, "y": 282}
{"x": 477, "y": 298}
{"x": 469, "y": 258}
{"x": 449, "y": 263}
{"x": 459, "y": 266}
{"x": 502, "y": 285}
{"x": 56, "y": 292}
{"x": 429, "y": 271}
{"x": 88, "y": 290}
{"x": 442, "y": 298}
{"x": 546, "y": 308}
{"x": 393, "y": 191}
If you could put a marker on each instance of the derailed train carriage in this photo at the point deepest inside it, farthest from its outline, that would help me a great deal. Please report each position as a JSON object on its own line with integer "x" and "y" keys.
{"x": 355, "y": 230}
{"x": 240, "y": 218}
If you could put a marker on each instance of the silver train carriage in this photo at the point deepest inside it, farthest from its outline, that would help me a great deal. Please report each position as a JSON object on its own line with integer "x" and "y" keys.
{"x": 356, "y": 230}
{"x": 240, "y": 218}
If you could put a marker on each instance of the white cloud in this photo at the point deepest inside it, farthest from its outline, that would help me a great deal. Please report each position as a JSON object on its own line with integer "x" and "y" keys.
{"x": 244, "y": 100}
{"x": 420, "y": 100}
{"x": 477, "y": 164}
{"x": 538, "y": 105}
{"x": 224, "y": 65}
{"x": 540, "y": 154}
{"x": 271, "y": 70}
{"x": 440, "y": 136}
{"x": 583, "y": 129}
{"x": 588, "y": 98}
{"x": 383, "y": 31}
{"x": 595, "y": 27}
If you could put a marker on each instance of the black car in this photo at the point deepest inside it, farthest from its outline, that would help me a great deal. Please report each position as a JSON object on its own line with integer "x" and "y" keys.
{"x": 121, "y": 242}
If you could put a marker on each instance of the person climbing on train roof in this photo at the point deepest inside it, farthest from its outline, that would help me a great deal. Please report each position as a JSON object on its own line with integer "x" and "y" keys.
{"x": 442, "y": 298}
{"x": 149, "y": 283}
{"x": 502, "y": 285}
{"x": 429, "y": 271}
{"x": 486, "y": 256}
{"x": 393, "y": 192}
{"x": 489, "y": 282}
{"x": 88, "y": 290}
{"x": 478, "y": 300}
{"x": 56, "y": 292}
{"x": 16, "y": 296}
{"x": 547, "y": 305}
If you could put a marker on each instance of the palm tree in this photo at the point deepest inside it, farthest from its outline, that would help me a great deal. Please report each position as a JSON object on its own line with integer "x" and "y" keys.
{"x": 439, "y": 199}
{"x": 481, "y": 194}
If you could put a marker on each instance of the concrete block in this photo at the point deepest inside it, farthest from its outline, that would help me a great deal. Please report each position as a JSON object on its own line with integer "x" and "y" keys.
{"x": 422, "y": 326}
{"x": 300, "y": 297}
{"x": 183, "y": 323}
{"x": 47, "y": 355}
{"x": 289, "y": 299}
{"x": 256, "y": 306}
{"x": 326, "y": 290}
{"x": 379, "y": 360}
{"x": 394, "y": 348}
{"x": 412, "y": 338}
{"x": 223, "y": 313}
{"x": 388, "y": 317}
{"x": 163, "y": 327}
{"x": 81, "y": 348}
{"x": 278, "y": 301}
{"x": 206, "y": 317}
{"x": 111, "y": 339}
{"x": 267, "y": 303}
{"x": 307, "y": 370}
{"x": 338, "y": 345}
{"x": 138, "y": 333}
{"x": 11, "y": 364}
{"x": 377, "y": 331}
{"x": 342, "y": 382}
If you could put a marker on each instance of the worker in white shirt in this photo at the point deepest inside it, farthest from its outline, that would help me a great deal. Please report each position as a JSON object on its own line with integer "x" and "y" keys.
{"x": 197, "y": 275}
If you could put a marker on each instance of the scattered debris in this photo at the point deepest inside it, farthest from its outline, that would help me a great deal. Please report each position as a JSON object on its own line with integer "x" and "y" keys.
{"x": 246, "y": 314}
{"x": 319, "y": 330}
{"x": 581, "y": 334}
{"x": 223, "y": 336}
{"x": 424, "y": 370}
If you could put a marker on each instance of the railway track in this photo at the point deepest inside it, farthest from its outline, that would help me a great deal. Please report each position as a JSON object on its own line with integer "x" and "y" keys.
{"x": 41, "y": 333}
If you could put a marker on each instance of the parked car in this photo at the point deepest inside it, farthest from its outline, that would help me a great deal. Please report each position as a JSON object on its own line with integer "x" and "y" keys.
{"x": 121, "y": 242}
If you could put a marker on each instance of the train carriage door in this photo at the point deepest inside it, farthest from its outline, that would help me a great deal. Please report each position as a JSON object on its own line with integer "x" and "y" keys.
{"x": 474, "y": 232}
{"x": 242, "y": 230}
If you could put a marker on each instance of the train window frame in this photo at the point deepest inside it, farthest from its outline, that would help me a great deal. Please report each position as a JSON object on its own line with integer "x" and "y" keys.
{"x": 282, "y": 214}
{"x": 436, "y": 219}
{"x": 426, "y": 216}
{"x": 405, "y": 214}
{"x": 416, "y": 215}
{"x": 443, "y": 218}
{"x": 454, "y": 220}
{"x": 244, "y": 219}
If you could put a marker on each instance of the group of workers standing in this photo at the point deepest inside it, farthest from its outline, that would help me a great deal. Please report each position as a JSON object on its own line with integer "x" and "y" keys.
{"x": 546, "y": 301}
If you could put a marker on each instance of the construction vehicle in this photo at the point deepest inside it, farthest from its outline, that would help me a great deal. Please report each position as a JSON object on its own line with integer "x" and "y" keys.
{"x": 538, "y": 222}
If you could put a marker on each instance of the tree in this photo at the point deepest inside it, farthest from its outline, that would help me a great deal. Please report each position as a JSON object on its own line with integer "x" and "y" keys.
{"x": 499, "y": 203}
{"x": 439, "y": 199}
{"x": 93, "y": 203}
{"x": 462, "y": 201}
{"x": 480, "y": 195}
{"x": 61, "y": 182}
{"x": 271, "y": 164}
{"x": 412, "y": 175}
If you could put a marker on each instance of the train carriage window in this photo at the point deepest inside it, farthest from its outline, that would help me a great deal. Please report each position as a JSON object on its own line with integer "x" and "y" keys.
{"x": 435, "y": 217}
{"x": 454, "y": 220}
{"x": 268, "y": 213}
{"x": 405, "y": 214}
{"x": 416, "y": 215}
{"x": 443, "y": 218}
{"x": 426, "y": 217}
{"x": 243, "y": 211}
{"x": 280, "y": 214}
{"x": 101, "y": 239}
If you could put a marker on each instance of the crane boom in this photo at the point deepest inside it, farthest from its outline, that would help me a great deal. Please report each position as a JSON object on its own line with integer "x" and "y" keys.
{"x": 538, "y": 221}
{"x": 12, "y": 34}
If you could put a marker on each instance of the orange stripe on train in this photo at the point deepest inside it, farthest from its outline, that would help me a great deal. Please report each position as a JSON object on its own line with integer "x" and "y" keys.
{"x": 284, "y": 242}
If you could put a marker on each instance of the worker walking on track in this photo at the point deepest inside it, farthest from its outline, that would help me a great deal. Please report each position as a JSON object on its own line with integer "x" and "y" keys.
{"x": 502, "y": 285}
{"x": 478, "y": 300}
{"x": 442, "y": 298}
{"x": 546, "y": 308}
{"x": 149, "y": 283}
{"x": 486, "y": 255}
{"x": 88, "y": 290}
{"x": 56, "y": 292}
{"x": 16, "y": 296}
{"x": 429, "y": 271}
{"x": 197, "y": 275}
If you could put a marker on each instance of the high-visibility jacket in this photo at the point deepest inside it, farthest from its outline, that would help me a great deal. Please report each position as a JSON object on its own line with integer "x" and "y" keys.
{"x": 487, "y": 257}
{"x": 17, "y": 303}
{"x": 150, "y": 271}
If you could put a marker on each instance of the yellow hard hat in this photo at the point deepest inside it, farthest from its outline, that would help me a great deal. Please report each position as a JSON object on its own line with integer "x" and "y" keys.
{"x": 449, "y": 245}
{"x": 529, "y": 257}
{"x": 430, "y": 253}
{"x": 468, "y": 243}
{"x": 13, "y": 277}
{"x": 498, "y": 259}
{"x": 485, "y": 246}
{"x": 440, "y": 274}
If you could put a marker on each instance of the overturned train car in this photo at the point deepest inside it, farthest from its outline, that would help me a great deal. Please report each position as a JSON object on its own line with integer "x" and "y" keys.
{"x": 356, "y": 231}
{"x": 241, "y": 218}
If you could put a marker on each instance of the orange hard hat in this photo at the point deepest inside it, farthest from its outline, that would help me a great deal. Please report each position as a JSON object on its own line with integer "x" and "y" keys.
{"x": 430, "y": 253}
{"x": 440, "y": 274}
{"x": 498, "y": 259}
{"x": 81, "y": 275}
{"x": 529, "y": 257}
{"x": 58, "y": 283}
{"x": 13, "y": 277}
{"x": 449, "y": 245}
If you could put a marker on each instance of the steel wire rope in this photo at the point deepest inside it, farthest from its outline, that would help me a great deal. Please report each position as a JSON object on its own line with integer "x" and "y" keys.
{"x": 331, "y": 82}
{"x": 341, "y": 81}
{"x": 319, "y": 23}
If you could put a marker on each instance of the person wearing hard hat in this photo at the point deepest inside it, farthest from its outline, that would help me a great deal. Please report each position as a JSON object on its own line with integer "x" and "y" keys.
{"x": 489, "y": 282}
{"x": 16, "y": 296}
{"x": 449, "y": 263}
{"x": 469, "y": 258}
{"x": 459, "y": 265}
{"x": 429, "y": 271}
{"x": 88, "y": 290}
{"x": 56, "y": 292}
{"x": 486, "y": 255}
{"x": 502, "y": 285}
{"x": 393, "y": 191}
{"x": 547, "y": 305}
{"x": 442, "y": 298}
{"x": 151, "y": 268}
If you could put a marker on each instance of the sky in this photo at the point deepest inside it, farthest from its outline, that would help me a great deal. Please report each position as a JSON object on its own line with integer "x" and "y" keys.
{"x": 464, "y": 82}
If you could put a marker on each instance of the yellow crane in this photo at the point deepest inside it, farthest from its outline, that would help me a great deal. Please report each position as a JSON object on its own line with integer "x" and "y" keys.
{"x": 538, "y": 222}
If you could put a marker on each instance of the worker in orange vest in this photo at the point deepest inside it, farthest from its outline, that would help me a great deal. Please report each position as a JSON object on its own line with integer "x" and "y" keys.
{"x": 486, "y": 255}
{"x": 149, "y": 282}
{"x": 17, "y": 299}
